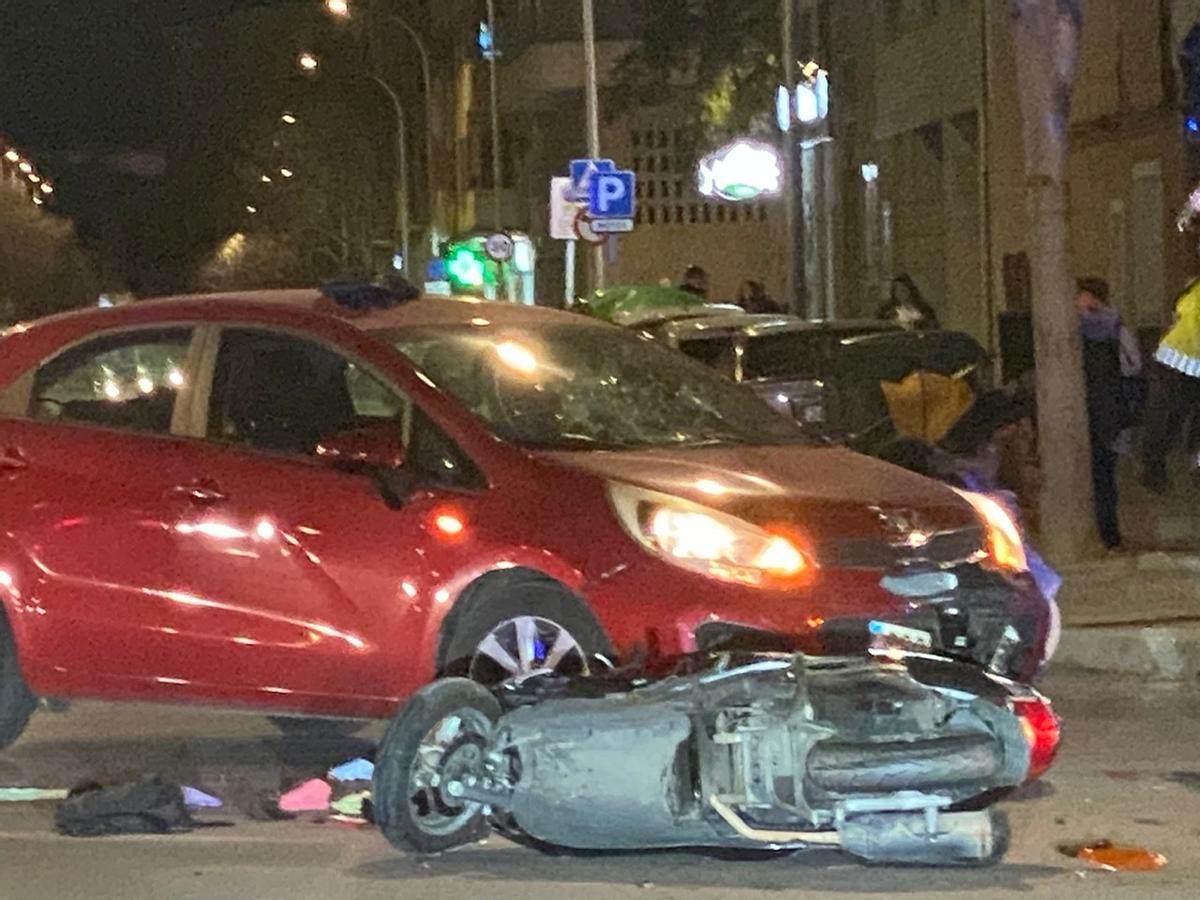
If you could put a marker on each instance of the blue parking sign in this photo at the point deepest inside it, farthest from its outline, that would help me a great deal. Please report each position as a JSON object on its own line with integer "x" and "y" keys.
{"x": 610, "y": 195}
{"x": 582, "y": 171}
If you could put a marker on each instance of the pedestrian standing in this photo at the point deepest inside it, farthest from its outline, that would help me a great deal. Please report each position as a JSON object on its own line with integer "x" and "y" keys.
{"x": 695, "y": 281}
{"x": 1110, "y": 359}
{"x": 1174, "y": 389}
{"x": 908, "y": 307}
{"x": 752, "y": 296}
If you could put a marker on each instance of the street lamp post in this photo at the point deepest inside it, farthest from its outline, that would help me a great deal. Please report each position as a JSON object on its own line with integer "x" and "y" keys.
{"x": 591, "y": 93}
{"x": 402, "y": 222}
{"x": 497, "y": 216}
{"x": 402, "y": 229}
{"x": 341, "y": 10}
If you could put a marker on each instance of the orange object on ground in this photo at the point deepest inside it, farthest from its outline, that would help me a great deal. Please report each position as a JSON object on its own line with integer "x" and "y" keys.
{"x": 1106, "y": 855}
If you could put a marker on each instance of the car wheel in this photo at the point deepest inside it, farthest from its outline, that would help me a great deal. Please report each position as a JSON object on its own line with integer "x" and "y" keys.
{"x": 316, "y": 729}
{"x": 533, "y": 625}
{"x": 16, "y": 702}
{"x": 440, "y": 736}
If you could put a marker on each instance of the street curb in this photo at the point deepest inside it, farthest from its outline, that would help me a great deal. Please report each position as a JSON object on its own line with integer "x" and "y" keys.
{"x": 1161, "y": 651}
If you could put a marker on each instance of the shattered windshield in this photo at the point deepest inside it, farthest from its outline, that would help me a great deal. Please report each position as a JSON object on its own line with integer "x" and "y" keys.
{"x": 568, "y": 386}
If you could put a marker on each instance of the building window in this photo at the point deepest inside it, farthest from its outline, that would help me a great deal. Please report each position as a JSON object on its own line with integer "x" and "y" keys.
{"x": 762, "y": 213}
{"x": 651, "y": 186}
{"x": 693, "y": 213}
{"x": 720, "y": 214}
{"x": 637, "y": 139}
{"x": 707, "y": 213}
{"x": 650, "y": 163}
{"x": 662, "y": 139}
{"x": 637, "y": 164}
{"x": 651, "y": 216}
{"x": 664, "y": 163}
{"x": 679, "y": 214}
{"x": 679, "y": 187}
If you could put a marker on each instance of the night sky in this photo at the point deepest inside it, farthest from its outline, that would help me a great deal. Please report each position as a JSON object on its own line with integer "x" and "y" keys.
{"x": 81, "y": 80}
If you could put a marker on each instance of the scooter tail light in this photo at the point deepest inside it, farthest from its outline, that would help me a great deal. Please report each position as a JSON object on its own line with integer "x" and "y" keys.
{"x": 1042, "y": 730}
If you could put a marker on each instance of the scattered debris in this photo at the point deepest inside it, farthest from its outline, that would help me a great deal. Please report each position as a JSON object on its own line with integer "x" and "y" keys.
{"x": 1059, "y": 820}
{"x": 355, "y": 770}
{"x": 31, "y": 795}
{"x": 197, "y": 799}
{"x": 1159, "y": 822}
{"x": 1111, "y": 857}
{"x": 311, "y": 796}
{"x": 1190, "y": 780}
{"x": 1121, "y": 774}
{"x": 351, "y": 804}
{"x": 351, "y": 821}
{"x": 150, "y": 806}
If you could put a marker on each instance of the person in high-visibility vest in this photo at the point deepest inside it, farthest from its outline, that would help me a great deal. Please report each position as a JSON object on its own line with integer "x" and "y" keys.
{"x": 1175, "y": 391}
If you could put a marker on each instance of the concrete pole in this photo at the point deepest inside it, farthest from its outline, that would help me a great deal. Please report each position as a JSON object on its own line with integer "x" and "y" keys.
{"x": 497, "y": 215}
{"x": 591, "y": 92}
{"x": 794, "y": 279}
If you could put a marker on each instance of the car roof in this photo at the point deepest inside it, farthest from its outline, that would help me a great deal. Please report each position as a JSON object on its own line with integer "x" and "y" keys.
{"x": 756, "y": 324}
{"x": 297, "y": 306}
{"x": 648, "y": 318}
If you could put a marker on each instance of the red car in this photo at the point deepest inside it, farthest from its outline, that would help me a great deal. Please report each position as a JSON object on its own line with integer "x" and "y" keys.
{"x": 311, "y": 505}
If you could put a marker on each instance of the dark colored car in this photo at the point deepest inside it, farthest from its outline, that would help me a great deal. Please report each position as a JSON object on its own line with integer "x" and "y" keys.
{"x": 828, "y": 375}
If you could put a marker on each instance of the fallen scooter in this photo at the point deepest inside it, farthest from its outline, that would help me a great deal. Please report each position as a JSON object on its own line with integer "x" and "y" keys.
{"x": 894, "y": 759}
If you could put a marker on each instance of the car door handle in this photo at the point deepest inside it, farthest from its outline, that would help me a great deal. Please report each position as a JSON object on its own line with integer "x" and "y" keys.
{"x": 12, "y": 460}
{"x": 203, "y": 493}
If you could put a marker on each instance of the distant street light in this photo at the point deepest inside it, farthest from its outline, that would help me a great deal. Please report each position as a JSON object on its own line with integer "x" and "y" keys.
{"x": 265, "y": 179}
{"x": 288, "y": 119}
{"x": 12, "y": 156}
{"x": 308, "y": 62}
{"x": 34, "y": 178}
{"x": 25, "y": 167}
{"x": 47, "y": 187}
{"x": 37, "y": 200}
{"x": 251, "y": 209}
{"x": 286, "y": 173}
{"x": 339, "y": 8}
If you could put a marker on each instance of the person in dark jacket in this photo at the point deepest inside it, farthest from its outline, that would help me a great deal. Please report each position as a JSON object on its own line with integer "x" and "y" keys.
{"x": 752, "y": 296}
{"x": 695, "y": 281}
{"x": 1107, "y": 349}
{"x": 908, "y": 307}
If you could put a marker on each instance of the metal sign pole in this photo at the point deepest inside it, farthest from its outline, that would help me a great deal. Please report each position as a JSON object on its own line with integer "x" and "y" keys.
{"x": 569, "y": 276}
{"x": 593, "y": 120}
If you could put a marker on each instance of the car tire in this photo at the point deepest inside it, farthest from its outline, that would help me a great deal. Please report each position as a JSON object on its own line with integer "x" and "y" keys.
{"x": 523, "y": 595}
{"x": 317, "y": 729}
{"x": 394, "y": 790}
{"x": 17, "y": 703}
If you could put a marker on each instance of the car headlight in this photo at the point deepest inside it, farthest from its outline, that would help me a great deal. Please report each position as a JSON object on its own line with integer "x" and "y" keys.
{"x": 712, "y": 543}
{"x": 1005, "y": 545}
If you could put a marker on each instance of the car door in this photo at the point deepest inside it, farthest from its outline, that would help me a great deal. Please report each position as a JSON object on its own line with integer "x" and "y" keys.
{"x": 90, "y": 474}
{"x": 307, "y": 579}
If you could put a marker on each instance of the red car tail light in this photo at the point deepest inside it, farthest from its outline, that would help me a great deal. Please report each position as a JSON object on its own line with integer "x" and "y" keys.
{"x": 1042, "y": 730}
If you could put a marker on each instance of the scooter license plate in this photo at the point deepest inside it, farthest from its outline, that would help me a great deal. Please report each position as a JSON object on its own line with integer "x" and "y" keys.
{"x": 889, "y": 638}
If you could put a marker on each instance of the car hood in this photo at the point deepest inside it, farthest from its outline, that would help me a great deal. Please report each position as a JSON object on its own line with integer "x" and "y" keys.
{"x": 830, "y": 494}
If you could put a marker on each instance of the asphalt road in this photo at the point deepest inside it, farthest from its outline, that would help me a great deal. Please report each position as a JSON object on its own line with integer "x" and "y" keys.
{"x": 1130, "y": 772}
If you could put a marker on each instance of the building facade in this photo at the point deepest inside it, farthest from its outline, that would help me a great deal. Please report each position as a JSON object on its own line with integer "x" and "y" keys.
{"x": 925, "y": 174}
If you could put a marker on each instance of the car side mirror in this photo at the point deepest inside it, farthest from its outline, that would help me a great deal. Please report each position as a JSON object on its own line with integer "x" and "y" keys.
{"x": 370, "y": 448}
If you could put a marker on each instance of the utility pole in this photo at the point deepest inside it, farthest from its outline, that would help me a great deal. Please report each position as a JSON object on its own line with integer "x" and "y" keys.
{"x": 793, "y": 182}
{"x": 593, "y": 121}
{"x": 497, "y": 216}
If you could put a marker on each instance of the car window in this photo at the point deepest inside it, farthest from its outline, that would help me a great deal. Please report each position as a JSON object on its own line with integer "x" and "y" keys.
{"x": 128, "y": 381}
{"x": 715, "y": 352}
{"x": 567, "y": 386}
{"x": 790, "y": 354}
{"x": 285, "y": 394}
